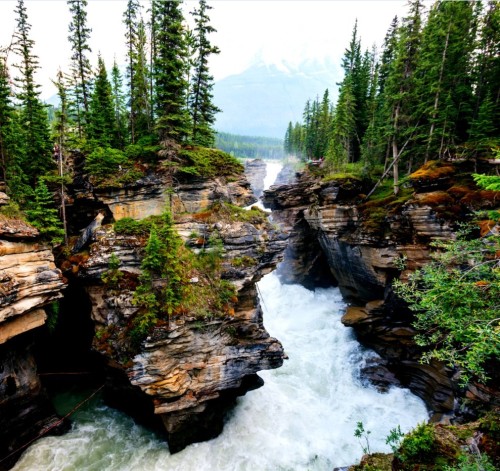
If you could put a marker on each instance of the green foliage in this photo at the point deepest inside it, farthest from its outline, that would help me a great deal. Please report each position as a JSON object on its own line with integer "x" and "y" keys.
{"x": 81, "y": 71}
{"x": 455, "y": 300}
{"x": 207, "y": 162}
{"x": 145, "y": 149}
{"x": 160, "y": 289}
{"x": 44, "y": 216}
{"x": 130, "y": 226}
{"x": 169, "y": 70}
{"x": 52, "y": 311}
{"x": 102, "y": 122}
{"x": 104, "y": 162}
{"x": 362, "y": 435}
{"x": 12, "y": 211}
{"x": 200, "y": 99}
{"x": 112, "y": 276}
{"x": 250, "y": 147}
{"x": 488, "y": 182}
{"x": 470, "y": 462}
{"x": 419, "y": 445}
{"x": 394, "y": 439}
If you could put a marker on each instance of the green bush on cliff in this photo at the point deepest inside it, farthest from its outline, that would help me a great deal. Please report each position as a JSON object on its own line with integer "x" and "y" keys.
{"x": 44, "y": 216}
{"x": 455, "y": 299}
{"x": 206, "y": 162}
{"x": 176, "y": 283}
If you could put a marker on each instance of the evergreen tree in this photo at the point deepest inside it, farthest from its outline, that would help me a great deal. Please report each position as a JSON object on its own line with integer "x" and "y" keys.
{"x": 80, "y": 67}
{"x": 11, "y": 141}
{"x": 102, "y": 125}
{"x": 442, "y": 76}
{"x": 140, "y": 117}
{"x": 288, "y": 141}
{"x": 120, "y": 120}
{"x": 169, "y": 71}
{"x": 201, "y": 106}
{"x": 36, "y": 145}
{"x": 486, "y": 70}
{"x": 6, "y": 116}
{"x": 130, "y": 19}
{"x": 44, "y": 216}
{"x": 62, "y": 121}
{"x": 399, "y": 93}
{"x": 340, "y": 150}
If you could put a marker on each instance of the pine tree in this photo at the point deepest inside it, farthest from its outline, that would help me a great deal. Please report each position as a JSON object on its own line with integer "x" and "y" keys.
{"x": 120, "y": 130}
{"x": 340, "y": 150}
{"x": 101, "y": 110}
{"x": 288, "y": 140}
{"x": 201, "y": 106}
{"x": 36, "y": 155}
{"x": 442, "y": 77}
{"x": 130, "y": 19}
{"x": 486, "y": 70}
{"x": 62, "y": 120}
{"x": 80, "y": 67}
{"x": 44, "y": 216}
{"x": 169, "y": 71}
{"x": 399, "y": 92}
{"x": 6, "y": 116}
{"x": 11, "y": 140}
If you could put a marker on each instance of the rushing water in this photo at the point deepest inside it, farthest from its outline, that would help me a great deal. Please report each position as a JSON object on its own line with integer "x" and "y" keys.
{"x": 303, "y": 418}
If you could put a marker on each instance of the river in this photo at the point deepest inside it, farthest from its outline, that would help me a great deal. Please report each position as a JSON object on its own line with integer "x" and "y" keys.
{"x": 303, "y": 418}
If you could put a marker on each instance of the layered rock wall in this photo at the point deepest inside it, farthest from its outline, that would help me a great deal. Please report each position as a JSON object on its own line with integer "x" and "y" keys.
{"x": 188, "y": 372}
{"x": 362, "y": 245}
{"x": 29, "y": 280}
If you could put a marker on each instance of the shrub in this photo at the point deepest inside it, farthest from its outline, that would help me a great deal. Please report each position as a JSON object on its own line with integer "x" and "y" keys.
{"x": 207, "y": 162}
{"x": 104, "y": 162}
{"x": 419, "y": 445}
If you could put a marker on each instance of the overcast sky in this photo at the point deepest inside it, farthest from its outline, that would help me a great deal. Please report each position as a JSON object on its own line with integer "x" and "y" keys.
{"x": 248, "y": 31}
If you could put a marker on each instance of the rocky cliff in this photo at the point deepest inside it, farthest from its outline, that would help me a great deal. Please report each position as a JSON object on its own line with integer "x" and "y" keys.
{"x": 29, "y": 281}
{"x": 362, "y": 241}
{"x": 186, "y": 374}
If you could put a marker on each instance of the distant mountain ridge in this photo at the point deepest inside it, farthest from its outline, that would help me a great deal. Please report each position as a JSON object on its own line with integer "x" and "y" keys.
{"x": 263, "y": 99}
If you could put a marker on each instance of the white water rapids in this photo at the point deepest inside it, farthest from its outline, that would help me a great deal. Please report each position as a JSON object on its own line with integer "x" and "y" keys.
{"x": 303, "y": 418}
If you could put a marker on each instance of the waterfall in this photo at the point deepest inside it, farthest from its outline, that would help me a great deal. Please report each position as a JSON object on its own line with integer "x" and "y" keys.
{"x": 303, "y": 418}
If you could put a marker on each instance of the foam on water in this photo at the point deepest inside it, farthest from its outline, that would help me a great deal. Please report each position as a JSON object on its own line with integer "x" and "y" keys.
{"x": 302, "y": 419}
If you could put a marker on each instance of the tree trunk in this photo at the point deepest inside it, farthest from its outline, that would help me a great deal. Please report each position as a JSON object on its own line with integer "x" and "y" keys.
{"x": 436, "y": 98}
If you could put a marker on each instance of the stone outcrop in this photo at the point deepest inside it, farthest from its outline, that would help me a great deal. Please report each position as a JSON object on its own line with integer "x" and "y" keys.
{"x": 186, "y": 374}
{"x": 29, "y": 280}
{"x": 362, "y": 242}
{"x": 255, "y": 171}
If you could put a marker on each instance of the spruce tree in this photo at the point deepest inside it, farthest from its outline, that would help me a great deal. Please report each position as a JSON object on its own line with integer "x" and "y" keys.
{"x": 442, "y": 77}
{"x": 486, "y": 70}
{"x": 120, "y": 124}
{"x": 80, "y": 66}
{"x": 201, "y": 106}
{"x": 140, "y": 101}
{"x": 399, "y": 92}
{"x": 102, "y": 127}
{"x": 169, "y": 71}
{"x": 36, "y": 156}
{"x": 6, "y": 116}
{"x": 137, "y": 74}
{"x": 130, "y": 19}
{"x": 288, "y": 140}
{"x": 44, "y": 216}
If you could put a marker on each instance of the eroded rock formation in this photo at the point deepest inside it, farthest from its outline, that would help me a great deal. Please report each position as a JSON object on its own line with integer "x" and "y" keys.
{"x": 186, "y": 374}
{"x": 362, "y": 242}
{"x": 29, "y": 281}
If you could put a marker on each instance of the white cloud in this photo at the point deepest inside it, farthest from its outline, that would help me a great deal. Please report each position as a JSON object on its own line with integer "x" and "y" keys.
{"x": 273, "y": 31}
